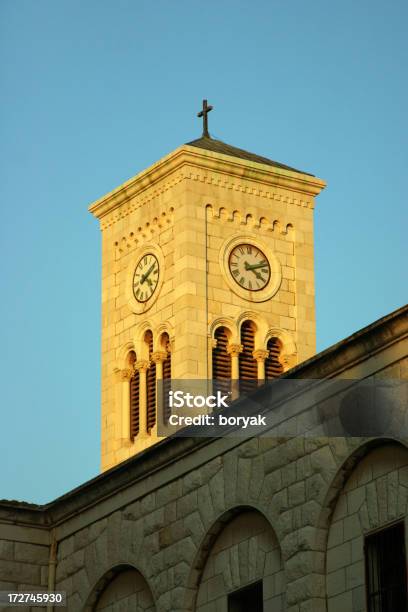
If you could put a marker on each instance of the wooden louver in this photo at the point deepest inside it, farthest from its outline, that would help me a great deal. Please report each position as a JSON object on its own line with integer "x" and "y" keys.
{"x": 150, "y": 385}
{"x": 166, "y": 376}
{"x": 273, "y": 367}
{"x": 248, "y": 367}
{"x": 134, "y": 392}
{"x": 221, "y": 360}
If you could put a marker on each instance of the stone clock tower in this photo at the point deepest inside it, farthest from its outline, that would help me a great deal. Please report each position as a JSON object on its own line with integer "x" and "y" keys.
{"x": 207, "y": 271}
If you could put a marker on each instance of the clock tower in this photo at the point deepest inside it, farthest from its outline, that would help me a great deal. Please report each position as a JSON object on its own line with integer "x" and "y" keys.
{"x": 207, "y": 272}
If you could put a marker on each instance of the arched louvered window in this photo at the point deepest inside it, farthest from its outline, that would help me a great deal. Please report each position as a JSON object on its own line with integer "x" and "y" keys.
{"x": 221, "y": 360}
{"x": 166, "y": 375}
{"x": 167, "y": 361}
{"x": 134, "y": 390}
{"x": 248, "y": 367}
{"x": 273, "y": 367}
{"x": 150, "y": 385}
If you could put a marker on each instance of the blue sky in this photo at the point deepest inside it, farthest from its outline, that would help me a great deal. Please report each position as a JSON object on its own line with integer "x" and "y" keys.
{"x": 95, "y": 91}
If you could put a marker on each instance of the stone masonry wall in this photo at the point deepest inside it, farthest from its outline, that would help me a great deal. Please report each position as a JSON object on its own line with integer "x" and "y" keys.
{"x": 376, "y": 494}
{"x": 23, "y": 566}
{"x": 246, "y": 551}
{"x": 166, "y": 514}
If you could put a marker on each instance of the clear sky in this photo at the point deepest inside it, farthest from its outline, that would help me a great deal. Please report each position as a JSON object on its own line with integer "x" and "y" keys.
{"x": 93, "y": 92}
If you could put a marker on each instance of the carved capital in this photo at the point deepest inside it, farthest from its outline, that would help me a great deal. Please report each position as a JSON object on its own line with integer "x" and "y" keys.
{"x": 288, "y": 361}
{"x": 142, "y": 366}
{"x": 124, "y": 375}
{"x": 260, "y": 355}
{"x": 159, "y": 356}
{"x": 235, "y": 349}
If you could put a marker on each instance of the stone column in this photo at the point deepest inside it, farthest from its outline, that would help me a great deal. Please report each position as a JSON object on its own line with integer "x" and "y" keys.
{"x": 260, "y": 356}
{"x": 124, "y": 377}
{"x": 142, "y": 367}
{"x": 234, "y": 350}
{"x": 158, "y": 357}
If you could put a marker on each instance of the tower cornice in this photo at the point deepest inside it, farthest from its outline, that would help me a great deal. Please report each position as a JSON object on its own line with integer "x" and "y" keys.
{"x": 192, "y": 159}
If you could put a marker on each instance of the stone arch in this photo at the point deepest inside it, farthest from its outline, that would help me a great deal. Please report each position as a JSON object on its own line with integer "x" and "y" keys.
{"x": 209, "y": 209}
{"x": 122, "y": 361}
{"x": 368, "y": 492}
{"x": 139, "y": 338}
{"x": 260, "y": 325}
{"x": 123, "y": 578}
{"x": 226, "y": 322}
{"x": 236, "y": 216}
{"x": 288, "y": 354}
{"x": 350, "y": 452}
{"x": 163, "y": 328}
{"x": 242, "y": 534}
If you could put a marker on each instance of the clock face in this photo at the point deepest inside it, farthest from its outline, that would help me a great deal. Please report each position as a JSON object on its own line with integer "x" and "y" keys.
{"x": 249, "y": 267}
{"x": 145, "y": 277}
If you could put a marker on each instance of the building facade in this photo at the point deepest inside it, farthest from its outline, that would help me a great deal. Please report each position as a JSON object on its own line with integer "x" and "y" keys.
{"x": 281, "y": 521}
{"x": 188, "y": 523}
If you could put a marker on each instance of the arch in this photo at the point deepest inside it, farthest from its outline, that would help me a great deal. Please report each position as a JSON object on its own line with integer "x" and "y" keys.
{"x": 165, "y": 347}
{"x": 260, "y": 323}
{"x": 122, "y": 359}
{"x": 163, "y": 328}
{"x": 345, "y": 470}
{"x": 209, "y": 210}
{"x": 139, "y": 339}
{"x": 150, "y": 382}
{"x": 223, "y": 213}
{"x": 276, "y": 226}
{"x": 226, "y": 322}
{"x": 236, "y": 216}
{"x": 221, "y": 359}
{"x": 113, "y": 578}
{"x": 233, "y": 525}
{"x": 288, "y": 352}
{"x": 367, "y": 493}
{"x": 273, "y": 365}
{"x": 248, "y": 366}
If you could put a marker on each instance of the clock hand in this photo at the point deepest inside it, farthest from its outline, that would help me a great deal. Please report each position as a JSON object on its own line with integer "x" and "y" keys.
{"x": 144, "y": 276}
{"x": 255, "y": 266}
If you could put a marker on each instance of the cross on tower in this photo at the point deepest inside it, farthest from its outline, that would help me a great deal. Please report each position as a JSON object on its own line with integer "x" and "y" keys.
{"x": 204, "y": 114}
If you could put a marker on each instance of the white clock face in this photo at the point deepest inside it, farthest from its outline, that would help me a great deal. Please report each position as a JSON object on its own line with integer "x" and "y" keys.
{"x": 145, "y": 277}
{"x": 249, "y": 267}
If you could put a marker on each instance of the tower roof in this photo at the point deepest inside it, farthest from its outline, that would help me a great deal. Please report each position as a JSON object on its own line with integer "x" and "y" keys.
{"x": 210, "y": 144}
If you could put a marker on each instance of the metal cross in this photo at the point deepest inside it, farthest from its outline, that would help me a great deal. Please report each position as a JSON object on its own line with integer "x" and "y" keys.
{"x": 204, "y": 115}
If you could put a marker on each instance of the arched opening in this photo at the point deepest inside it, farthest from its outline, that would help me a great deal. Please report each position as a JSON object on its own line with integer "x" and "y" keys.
{"x": 221, "y": 360}
{"x": 134, "y": 396}
{"x": 273, "y": 367}
{"x": 366, "y": 553}
{"x": 166, "y": 347}
{"x": 150, "y": 384}
{"x": 243, "y": 565}
{"x": 165, "y": 342}
{"x": 248, "y": 367}
{"x": 122, "y": 588}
